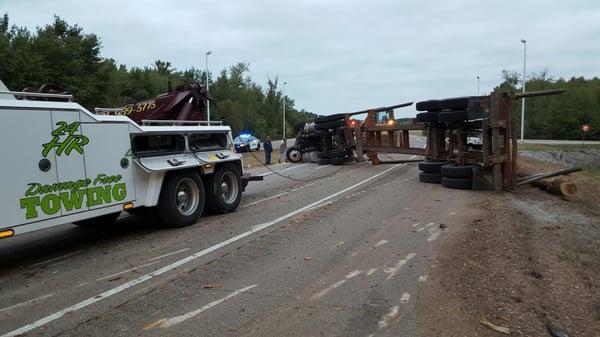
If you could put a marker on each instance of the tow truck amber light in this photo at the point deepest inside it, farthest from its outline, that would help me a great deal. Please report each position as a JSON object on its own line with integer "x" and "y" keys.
{"x": 6, "y": 233}
{"x": 207, "y": 166}
{"x": 353, "y": 123}
{"x": 390, "y": 122}
{"x": 128, "y": 205}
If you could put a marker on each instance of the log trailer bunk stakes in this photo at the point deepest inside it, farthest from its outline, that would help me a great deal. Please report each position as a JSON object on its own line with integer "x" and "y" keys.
{"x": 451, "y": 157}
{"x": 64, "y": 164}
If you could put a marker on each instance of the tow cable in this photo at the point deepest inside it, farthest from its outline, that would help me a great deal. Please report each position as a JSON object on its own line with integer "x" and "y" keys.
{"x": 295, "y": 179}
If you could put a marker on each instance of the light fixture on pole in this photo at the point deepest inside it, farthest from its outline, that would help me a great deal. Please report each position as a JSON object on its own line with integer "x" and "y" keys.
{"x": 477, "y": 85}
{"x": 524, "y": 42}
{"x": 284, "y": 83}
{"x": 207, "y": 90}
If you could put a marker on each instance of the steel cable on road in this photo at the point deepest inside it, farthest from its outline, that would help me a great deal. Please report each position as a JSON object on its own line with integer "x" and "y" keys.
{"x": 296, "y": 179}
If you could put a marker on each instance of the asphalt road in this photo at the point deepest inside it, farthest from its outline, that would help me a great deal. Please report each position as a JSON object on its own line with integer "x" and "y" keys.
{"x": 339, "y": 253}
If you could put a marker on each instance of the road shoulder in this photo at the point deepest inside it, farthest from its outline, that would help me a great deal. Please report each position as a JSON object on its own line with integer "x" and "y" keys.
{"x": 529, "y": 261}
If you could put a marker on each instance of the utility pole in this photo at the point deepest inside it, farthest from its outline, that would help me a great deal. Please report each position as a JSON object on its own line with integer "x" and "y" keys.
{"x": 477, "y": 85}
{"x": 523, "y": 99}
{"x": 207, "y": 89}
{"x": 284, "y": 139}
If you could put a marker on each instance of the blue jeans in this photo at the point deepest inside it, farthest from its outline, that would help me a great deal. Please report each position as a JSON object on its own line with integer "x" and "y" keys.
{"x": 268, "y": 158}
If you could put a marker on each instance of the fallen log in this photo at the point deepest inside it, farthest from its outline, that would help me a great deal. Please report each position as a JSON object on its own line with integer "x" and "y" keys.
{"x": 532, "y": 178}
{"x": 559, "y": 186}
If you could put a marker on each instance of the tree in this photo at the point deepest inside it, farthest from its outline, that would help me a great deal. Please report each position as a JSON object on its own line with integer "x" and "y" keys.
{"x": 64, "y": 55}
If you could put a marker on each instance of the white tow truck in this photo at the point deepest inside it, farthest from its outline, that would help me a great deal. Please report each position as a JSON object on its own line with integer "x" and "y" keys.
{"x": 63, "y": 164}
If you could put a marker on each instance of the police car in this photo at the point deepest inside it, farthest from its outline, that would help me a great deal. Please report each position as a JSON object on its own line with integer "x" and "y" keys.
{"x": 246, "y": 142}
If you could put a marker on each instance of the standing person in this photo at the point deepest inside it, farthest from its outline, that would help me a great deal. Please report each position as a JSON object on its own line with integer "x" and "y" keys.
{"x": 268, "y": 146}
{"x": 282, "y": 151}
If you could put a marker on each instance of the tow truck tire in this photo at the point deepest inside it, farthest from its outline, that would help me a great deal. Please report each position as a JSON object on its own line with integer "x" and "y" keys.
{"x": 294, "y": 154}
{"x": 105, "y": 219}
{"x": 224, "y": 189}
{"x": 181, "y": 199}
{"x": 458, "y": 183}
{"x": 432, "y": 166}
{"x": 434, "y": 178}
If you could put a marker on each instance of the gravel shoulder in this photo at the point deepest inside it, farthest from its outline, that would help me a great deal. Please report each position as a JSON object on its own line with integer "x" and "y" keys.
{"x": 528, "y": 262}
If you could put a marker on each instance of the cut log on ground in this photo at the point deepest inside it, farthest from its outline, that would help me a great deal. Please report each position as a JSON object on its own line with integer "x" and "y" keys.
{"x": 559, "y": 186}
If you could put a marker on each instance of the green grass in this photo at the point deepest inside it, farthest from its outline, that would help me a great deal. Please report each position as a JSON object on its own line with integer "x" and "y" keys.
{"x": 592, "y": 170}
{"x": 557, "y": 147}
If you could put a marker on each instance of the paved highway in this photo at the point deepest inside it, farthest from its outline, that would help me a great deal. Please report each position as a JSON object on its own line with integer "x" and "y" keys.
{"x": 340, "y": 251}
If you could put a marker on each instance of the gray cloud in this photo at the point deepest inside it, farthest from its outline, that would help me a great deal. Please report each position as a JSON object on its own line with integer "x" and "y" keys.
{"x": 343, "y": 55}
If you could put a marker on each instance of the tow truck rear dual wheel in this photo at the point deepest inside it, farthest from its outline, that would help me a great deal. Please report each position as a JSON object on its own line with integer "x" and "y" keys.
{"x": 181, "y": 199}
{"x": 224, "y": 189}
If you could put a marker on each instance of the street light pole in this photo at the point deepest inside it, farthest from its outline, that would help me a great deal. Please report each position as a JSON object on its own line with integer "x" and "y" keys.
{"x": 207, "y": 89}
{"x": 284, "y": 83}
{"x": 523, "y": 99}
{"x": 477, "y": 85}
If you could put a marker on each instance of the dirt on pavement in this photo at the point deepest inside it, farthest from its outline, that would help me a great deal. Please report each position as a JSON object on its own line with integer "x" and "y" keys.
{"x": 529, "y": 262}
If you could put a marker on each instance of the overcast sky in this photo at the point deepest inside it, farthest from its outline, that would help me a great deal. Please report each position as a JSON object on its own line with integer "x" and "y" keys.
{"x": 340, "y": 56}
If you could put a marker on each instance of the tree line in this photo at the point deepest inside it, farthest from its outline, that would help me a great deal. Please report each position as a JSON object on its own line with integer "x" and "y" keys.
{"x": 560, "y": 116}
{"x": 63, "y": 54}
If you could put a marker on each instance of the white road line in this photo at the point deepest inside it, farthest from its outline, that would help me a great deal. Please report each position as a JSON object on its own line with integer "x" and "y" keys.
{"x": 405, "y": 298}
{"x": 167, "y": 323}
{"x": 433, "y": 236}
{"x": 336, "y": 284}
{"x": 393, "y": 270}
{"x": 320, "y": 167}
{"x": 149, "y": 276}
{"x": 416, "y": 224}
{"x": 126, "y": 271}
{"x": 168, "y": 254}
{"x": 371, "y": 271}
{"x": 388, "y": 317}
{"x": 33, "y": 300}
{"x": 423, "y": 278}
{"x": 430, "y": 224}
{"x": 380, "y": 243}
{"x": 55, "y": 258}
